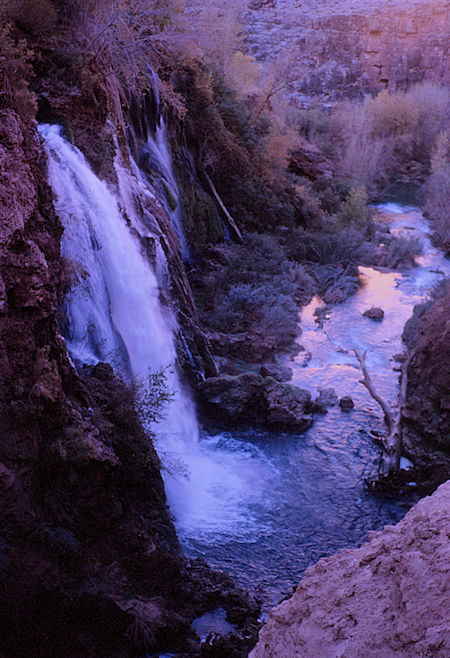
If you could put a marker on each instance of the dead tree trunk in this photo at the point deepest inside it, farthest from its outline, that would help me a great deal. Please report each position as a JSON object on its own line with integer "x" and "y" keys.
{"x": 392, "y": 442}
{"x": 228, "y": 217}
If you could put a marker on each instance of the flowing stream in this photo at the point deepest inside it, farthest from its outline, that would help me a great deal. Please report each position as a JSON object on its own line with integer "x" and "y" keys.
{"x": 259, "y": 505}
{"x": 269, "y": 505}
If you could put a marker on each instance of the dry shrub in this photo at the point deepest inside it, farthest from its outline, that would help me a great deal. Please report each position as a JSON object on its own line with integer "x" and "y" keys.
{"x": 122, "y": 35}
{"x": 382, "y": 135}
{"x": 402, "y": 251}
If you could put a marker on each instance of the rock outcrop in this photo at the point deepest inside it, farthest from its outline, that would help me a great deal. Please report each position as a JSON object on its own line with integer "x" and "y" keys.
{"x": 427, "y": 410}
{"x": 388, "y": 598}
{"x": 252, "y": 399}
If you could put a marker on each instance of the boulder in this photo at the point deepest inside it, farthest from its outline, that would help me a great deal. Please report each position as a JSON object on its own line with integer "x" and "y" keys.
{"x": 287, "y": 406}
{"x": 388, "y": 598}
{"x": 309, "y": 161}
{"x": 374, "y": 313}
{"x": 327, "y": 398}
{"x": 346, "y": 403}
{"x": 280, "y": 373}
{"x": 249, "y": 398}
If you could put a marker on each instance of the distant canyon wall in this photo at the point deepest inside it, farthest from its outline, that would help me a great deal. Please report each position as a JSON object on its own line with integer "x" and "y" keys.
{"x": 346, "y": 49}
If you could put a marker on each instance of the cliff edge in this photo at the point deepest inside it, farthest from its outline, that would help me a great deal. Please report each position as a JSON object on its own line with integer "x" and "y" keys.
{"x": 388, "y": 598}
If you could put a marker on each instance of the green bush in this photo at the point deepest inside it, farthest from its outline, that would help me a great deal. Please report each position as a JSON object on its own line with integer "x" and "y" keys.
{"x": 332, "y": 245}
{"x": 354, "y": 209}
{"x": 254, "y": 288}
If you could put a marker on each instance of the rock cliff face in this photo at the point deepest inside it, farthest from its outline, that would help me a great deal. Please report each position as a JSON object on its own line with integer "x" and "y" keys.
{"x": 388, "y": 598}
{"x": 345, "y": 49}
{"x": 427, "y": 410}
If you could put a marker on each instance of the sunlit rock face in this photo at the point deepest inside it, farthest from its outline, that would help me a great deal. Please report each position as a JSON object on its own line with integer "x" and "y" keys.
{"x": 388, "y": 598}
{"x": 343, "y": 49}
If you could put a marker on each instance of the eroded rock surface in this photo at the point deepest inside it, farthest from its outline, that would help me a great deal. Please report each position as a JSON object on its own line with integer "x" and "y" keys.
{"x": 391, "y": 597}
{"x": 427, "y": 409}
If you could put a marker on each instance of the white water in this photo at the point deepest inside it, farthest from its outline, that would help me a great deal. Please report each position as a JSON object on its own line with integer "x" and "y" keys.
{"x": 159, "y": 164}
{"x": 114, "y": 313}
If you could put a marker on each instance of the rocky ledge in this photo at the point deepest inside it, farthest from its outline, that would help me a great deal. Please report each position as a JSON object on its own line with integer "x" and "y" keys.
{"x": 251, "y": 398}
{"x": 426, "y": 414}
{"x": 388, "y": 598}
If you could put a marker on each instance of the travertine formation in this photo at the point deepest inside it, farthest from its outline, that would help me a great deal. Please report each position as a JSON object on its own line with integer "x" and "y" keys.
{"x": 391, "y": 597}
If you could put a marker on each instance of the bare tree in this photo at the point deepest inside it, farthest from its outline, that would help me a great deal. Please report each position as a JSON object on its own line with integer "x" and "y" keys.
{"x": 392, "y": 442}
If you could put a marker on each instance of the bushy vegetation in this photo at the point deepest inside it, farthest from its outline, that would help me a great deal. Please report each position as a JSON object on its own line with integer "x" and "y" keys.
{"x": 15, "y": 73}
{"x": 254, "y": 288}
{"x": 402, "y": 251}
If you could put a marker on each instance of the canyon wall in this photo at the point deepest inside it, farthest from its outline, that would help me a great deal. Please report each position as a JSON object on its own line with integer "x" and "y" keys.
{"x": 388, "y": 598}
{"x": 344, "y": 49}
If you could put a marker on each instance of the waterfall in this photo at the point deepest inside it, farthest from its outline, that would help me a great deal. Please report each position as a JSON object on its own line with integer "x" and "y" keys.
{"x": 113, "y": 313}
{"x": 156, "y": 160}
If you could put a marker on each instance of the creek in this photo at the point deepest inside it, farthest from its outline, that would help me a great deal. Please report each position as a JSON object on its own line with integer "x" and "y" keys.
{"x": 265, "y": 506}
{"x": 259, "y": 505}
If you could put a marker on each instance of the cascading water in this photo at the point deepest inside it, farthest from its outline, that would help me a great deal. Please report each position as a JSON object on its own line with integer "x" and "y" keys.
{"x": 262, "y": 506}
{"x": 113, "y": 314}
{"x": 155, "y": 161}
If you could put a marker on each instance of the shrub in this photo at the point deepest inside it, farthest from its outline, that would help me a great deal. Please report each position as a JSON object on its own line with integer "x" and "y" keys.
{"x": 402, "y": 250}
{"x": 354, "y": 209}
{"x": 35, "y": 16}
{"x": 15, "y": 71}
{"x": 383, "y": 135}
{"x": 255, "y": 288}
{"x": 332, "y": 245}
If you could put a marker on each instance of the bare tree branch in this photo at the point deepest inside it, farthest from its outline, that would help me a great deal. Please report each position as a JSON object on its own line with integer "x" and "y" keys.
{"x": 392, "y": 442}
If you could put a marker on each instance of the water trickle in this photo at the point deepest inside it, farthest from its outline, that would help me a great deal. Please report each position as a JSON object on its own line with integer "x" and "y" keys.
{"x": 156, "y": 160}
